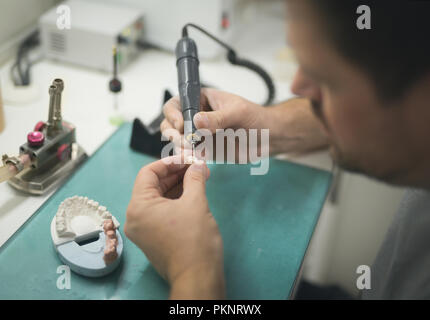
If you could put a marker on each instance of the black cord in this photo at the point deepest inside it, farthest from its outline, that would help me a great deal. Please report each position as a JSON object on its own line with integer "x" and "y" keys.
{"x": 235, "y": 60}
{"x": 231, "y": 56}
{"x": 221, "y": 43}
{"x": 22, "y": 64}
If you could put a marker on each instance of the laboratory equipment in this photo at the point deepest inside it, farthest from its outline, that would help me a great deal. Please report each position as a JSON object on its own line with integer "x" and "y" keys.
{"x": 115, "y": 87}
{"x": 94, "y": 29}
{"x": 50, "y": 154}
{"x": 163, "y": 19}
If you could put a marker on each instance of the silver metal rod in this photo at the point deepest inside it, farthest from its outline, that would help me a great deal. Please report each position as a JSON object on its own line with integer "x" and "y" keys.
{"x": 50, "y": 123}
{"x": 57, "y": 123}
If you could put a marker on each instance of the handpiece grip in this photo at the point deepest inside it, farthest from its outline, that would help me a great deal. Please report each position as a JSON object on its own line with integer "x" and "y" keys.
{"x": 187, "y": 64}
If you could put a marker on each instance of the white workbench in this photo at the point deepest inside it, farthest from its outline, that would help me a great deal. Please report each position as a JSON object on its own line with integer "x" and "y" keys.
{"x": 88, "y": 104}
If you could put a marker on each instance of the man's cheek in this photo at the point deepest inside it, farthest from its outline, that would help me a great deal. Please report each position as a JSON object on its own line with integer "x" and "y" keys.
{"x": 345, "y": 128}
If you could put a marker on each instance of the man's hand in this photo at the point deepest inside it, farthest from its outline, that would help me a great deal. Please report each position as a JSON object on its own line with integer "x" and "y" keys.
{"x": 168, "y": 218}
{"x": 292, "y": 124}
{"x": 220, "y": 110}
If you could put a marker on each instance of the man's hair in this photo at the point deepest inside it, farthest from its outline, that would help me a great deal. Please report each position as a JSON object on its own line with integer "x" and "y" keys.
{"x": 395, "y": 52}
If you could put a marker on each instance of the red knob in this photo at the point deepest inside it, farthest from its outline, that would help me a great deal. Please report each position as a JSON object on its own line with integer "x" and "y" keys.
{"x": 39, "y": 126}
{"x": 35, "y": 139}
{"x": 63, "y": 152}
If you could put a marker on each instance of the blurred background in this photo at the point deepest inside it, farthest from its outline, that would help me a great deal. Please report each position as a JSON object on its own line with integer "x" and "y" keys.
{"x": 358, "y": 210}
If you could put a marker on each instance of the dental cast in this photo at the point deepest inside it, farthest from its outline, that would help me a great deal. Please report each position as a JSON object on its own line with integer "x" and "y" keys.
{"x": 77, "y": 216}
{"x": 110, "y": 253}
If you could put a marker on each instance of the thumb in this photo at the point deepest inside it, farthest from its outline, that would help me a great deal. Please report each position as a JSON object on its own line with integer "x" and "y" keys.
{"x": 195, "y": 177}
{"x": 219, "y": 119}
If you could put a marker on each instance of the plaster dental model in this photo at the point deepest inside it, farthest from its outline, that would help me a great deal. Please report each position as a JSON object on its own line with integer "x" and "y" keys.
{"x": 110, "y": 254}
{"x": 86, "y": 237}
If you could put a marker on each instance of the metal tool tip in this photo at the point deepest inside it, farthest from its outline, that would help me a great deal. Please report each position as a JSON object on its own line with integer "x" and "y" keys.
{"x": 193, "y": 148}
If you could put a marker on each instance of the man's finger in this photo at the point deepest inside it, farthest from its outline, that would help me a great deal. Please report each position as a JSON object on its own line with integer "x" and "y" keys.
{"x": 172, "y": 112}
{"x": 149, "y": 177}
{"x": 212, "y": 99}
{"x": 195, "y": 180}
{"x": 183, "y": 152}
{"x": 170, "y": 182}
{"x": 170, "y": 133}
{"x": 220, "y": 119}
{"x": 228, "y": 110}
{"x": 173, "y": 135}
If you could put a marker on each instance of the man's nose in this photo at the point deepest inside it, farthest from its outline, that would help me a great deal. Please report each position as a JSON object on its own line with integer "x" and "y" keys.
{"x": 304, "y": 87}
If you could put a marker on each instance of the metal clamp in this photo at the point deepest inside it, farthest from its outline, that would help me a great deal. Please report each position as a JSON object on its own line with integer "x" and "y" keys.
{"x": 14, "y": 161}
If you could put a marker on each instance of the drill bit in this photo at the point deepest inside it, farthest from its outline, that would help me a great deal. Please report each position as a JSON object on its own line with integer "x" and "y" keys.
{"x": 193, "y": 148}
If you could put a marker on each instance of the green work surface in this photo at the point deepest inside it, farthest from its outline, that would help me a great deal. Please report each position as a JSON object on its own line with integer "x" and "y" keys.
{"x": 266, "y": 223}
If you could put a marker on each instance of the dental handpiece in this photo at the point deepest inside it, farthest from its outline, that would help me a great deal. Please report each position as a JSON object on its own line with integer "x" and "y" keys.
{"x": 187, "y": 63}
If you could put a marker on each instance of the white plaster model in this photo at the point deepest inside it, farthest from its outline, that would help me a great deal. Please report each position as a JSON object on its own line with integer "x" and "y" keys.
{"x": 110, "y": 252}
{"x": 79, "y": 216}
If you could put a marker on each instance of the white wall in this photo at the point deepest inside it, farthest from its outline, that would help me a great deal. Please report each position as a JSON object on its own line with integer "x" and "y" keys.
{"x": 18, "y": 17}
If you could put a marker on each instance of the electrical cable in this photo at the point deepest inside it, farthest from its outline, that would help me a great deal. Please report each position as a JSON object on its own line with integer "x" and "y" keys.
{"x": 235, "y": 60}
{"x": 20, "y": 71}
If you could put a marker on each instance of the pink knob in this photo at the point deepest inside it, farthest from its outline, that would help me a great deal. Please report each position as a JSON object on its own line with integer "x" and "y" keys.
{"x": 39, "y": 126}
{"x": 63, "y": 152}
{"x": 35, "y": 139}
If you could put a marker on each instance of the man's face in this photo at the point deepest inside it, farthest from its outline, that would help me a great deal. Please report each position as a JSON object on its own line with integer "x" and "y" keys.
{"x": 366, "y": 134}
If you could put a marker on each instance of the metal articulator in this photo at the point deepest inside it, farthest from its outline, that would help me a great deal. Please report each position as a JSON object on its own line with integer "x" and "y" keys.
{"x": 50, "y": 154}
